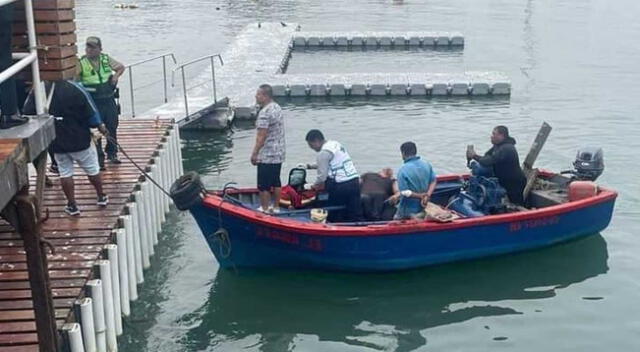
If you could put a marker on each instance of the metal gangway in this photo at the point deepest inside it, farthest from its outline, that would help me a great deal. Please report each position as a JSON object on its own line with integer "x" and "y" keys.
{"x": 168, "y": 59}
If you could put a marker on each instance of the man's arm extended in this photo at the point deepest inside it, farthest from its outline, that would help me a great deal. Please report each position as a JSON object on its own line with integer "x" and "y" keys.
{"x": 117, "y": 68}
{"x": 261, "y": 137}
{"x": 491, "y": 159}
{"x": 323, "y": 160}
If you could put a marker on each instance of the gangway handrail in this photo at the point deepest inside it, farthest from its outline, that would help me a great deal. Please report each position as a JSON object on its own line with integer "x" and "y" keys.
{"x": 164, "y": 76}
{"x": 184, "y": 82}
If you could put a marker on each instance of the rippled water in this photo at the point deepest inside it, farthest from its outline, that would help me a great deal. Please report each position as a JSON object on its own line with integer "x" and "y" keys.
{"x": 572, "y": 64}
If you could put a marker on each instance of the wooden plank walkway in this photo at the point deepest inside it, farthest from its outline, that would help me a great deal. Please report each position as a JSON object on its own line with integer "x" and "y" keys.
{"x": 78, "y": 241}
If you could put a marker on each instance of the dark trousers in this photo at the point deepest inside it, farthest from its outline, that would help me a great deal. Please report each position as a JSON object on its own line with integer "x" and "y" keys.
{"x": 345, "y": 194}
{"x": 374, "y": 207}
{"x": 109, "y": 113}
{"x": 8, "y": 97}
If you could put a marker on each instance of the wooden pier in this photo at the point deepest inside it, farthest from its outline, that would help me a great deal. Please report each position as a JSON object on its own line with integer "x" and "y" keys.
{"x": 119, "y": 237}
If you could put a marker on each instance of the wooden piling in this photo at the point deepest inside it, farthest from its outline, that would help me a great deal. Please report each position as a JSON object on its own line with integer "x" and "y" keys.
{"x": 56, "y": 38}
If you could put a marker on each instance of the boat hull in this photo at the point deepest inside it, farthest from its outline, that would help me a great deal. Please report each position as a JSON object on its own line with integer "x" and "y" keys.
{"x": 265, "y": 242}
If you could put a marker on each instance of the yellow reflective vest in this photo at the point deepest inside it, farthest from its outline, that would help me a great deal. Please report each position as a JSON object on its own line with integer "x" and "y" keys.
{"x": 97, "y": 81}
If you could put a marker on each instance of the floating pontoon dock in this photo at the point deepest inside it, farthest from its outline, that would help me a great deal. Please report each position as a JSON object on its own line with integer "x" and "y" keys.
{"x": 261, "y": 52}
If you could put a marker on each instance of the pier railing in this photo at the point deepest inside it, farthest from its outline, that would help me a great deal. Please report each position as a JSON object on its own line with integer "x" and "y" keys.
{"x": 181, "y": 67}
{"x": 26, "y": 59}
{"x": 130, "y": 67}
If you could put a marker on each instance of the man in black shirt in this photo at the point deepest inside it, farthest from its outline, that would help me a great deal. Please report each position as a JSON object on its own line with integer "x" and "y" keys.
{"x": 9, "y": 115}
{"x": 74, "y": 115}
{"x": 375, "y": 189}
{"x": 503, "y": 160}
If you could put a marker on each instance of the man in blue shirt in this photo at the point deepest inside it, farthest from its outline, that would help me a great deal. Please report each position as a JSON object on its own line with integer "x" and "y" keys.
{"x": 416, "y": 182}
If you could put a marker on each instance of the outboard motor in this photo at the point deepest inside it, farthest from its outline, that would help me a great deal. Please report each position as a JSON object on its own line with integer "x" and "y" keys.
{"x": 589, "y": 164}
{"x": 293, "y": 194}
{"x": 297, "y": 178}
{"x": 481, "y": 196}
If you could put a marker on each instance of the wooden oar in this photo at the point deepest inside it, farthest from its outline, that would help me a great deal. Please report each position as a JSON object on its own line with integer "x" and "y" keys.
{"x": 527, "y": 165}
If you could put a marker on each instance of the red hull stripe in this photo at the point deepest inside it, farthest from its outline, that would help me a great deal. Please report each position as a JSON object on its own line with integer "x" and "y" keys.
{"x": 405, "y": 226}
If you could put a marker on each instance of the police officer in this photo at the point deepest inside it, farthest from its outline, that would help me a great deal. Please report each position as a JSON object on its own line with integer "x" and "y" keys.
{"x": 99, "y": 74}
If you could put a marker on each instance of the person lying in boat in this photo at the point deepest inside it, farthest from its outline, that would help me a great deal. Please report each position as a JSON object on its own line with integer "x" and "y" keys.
{"x": 416, "y": 183}
{"x": 337, "y": 175}
{"x": 375, "y": 189}
{"x": 503, "y": 162}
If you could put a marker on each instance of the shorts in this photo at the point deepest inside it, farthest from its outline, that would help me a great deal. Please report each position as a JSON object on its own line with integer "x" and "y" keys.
{"x": 268, "y": 176}
{"x": 87, "y": 159}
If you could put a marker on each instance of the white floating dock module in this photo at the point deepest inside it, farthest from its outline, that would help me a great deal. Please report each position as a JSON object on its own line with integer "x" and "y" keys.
{"x": 372, "y": 38}
{"x": 393, "y": 84}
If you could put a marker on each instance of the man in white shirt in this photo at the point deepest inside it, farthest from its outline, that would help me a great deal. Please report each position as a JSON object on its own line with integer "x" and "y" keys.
{"x": 337, "y": 175}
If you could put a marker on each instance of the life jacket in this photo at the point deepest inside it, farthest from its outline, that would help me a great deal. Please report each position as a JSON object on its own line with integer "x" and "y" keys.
{"x": 97, "y": 81}
{"x": 341, "y": 167}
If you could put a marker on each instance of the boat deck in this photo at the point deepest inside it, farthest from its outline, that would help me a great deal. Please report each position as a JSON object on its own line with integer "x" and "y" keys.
{"x": 78, "y": 241}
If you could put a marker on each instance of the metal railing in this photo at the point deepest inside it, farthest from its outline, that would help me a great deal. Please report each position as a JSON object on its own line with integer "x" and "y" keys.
{"x": 26, "y": 59}
{"x": 184, "y": 81}
{"x": 164, "y": 77}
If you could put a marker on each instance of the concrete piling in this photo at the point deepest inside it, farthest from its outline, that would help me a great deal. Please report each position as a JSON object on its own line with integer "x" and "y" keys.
{"x": 123, "y": 271}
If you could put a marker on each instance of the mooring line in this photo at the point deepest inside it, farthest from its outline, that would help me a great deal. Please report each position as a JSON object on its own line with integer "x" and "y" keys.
{"x": 124, "y": 152}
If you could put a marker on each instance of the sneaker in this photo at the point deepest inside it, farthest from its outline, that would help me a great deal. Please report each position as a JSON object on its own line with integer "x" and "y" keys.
{"x": 54, "y": 169}
{"x": 103, "y": 168}
{"x": 114, "y": 160}
{"x": 274, "y": 210}
{"x": 103, "y": 200}
{"x": 72, "y": 210}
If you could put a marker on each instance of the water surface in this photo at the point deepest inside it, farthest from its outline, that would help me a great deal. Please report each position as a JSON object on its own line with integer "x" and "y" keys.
{"x": 572, "y": 64}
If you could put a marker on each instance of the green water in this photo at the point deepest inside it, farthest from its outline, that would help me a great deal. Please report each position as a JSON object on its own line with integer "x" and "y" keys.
{"x": 572, "y": 64}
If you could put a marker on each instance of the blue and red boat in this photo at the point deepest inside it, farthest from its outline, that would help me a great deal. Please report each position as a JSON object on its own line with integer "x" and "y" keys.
{"x": 241, "y": 236}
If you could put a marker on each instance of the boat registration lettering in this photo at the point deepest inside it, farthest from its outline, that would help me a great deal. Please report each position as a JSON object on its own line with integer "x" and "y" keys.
{"x": 534, "y": 223}
{"x": 289, "y": 238}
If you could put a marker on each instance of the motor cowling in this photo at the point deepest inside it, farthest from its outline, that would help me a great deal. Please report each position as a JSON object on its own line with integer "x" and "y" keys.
{"x": 589, "y": 164}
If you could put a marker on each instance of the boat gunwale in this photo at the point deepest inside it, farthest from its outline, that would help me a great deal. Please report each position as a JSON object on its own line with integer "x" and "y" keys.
{"x": 403, "y": 227}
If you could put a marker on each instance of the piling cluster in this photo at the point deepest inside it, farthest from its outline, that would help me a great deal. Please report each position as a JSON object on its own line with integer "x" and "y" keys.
{"x": 109, "y": 294}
